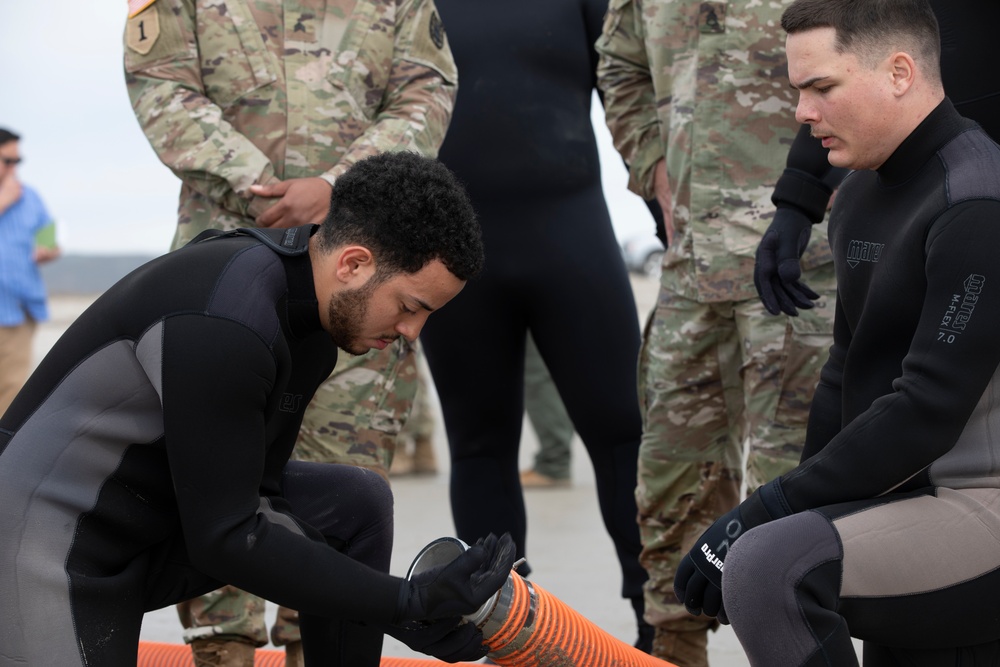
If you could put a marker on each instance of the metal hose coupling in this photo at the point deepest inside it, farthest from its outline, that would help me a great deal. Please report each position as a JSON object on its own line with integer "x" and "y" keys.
{"x": 526, "y": 626}
{"x": 446, "y": 549}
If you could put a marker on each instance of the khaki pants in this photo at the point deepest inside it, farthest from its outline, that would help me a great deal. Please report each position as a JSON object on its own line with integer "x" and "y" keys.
{"x": 15, "y": 359}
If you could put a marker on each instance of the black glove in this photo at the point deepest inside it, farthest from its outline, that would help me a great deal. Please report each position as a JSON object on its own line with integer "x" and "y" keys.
{"x": 698, "y": 583}
{"x": 777, "y": 270}
{"x": 448, "y": 639}
{"x": 459, "y": 587}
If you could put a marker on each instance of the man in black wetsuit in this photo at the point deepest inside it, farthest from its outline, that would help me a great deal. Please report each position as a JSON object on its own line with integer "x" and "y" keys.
{"x": 802, "y": 194}
{"x": 887, "y": 531}
{"x": 195, "y": 369}
{"x": 522, "y": 140}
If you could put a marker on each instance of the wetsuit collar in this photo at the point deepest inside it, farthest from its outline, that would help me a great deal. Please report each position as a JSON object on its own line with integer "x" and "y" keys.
{"x": 940, "y": 126}
{"x": 303, "y": 306}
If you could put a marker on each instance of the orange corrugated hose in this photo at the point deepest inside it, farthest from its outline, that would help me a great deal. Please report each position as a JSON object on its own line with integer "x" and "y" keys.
{"x": 539, "y": 630}
{"x": 542, "y": 631}
{"x": 156, "y": 654}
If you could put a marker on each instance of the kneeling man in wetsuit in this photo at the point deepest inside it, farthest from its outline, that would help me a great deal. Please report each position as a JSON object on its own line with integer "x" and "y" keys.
{"x": 146, "y": 460}
{"x": 889, "y": 529}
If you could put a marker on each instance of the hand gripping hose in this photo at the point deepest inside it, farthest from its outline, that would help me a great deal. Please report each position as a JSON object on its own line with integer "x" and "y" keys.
{"x": 525, "y": 626}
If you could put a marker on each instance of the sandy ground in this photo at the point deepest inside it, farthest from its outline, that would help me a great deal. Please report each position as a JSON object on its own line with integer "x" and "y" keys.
{"x": 571, "y": 555}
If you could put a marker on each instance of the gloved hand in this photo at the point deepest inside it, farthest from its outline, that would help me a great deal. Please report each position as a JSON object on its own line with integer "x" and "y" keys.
{"x": 459, "y": 587}
{"x": 698, "y": 582}
{"x": 777, "y": 271}
{"x": 448, "y": 639}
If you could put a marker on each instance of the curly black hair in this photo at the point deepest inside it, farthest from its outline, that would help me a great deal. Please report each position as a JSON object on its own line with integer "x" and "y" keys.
{"x": 408, "y": 210}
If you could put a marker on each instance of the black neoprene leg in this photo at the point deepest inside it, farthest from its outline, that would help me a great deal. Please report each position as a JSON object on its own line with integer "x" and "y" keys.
{"x": 563, "y": 278}
{"x": 587, "y": 331}
{"x": 475, "y": 350}
{"x": 352, "y": 508}
{"x": 982, "y": 655}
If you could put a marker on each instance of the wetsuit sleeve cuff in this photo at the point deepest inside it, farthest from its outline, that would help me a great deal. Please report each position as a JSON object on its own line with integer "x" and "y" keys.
{"x": 802, "y": 191}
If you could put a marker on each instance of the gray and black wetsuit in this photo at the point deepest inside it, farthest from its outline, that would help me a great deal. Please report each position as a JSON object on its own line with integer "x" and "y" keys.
{"x": 896, "y": 535}
{"x": 144, "y": 463}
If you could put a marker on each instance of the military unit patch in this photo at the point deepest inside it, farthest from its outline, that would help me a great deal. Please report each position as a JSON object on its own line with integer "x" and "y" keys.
{"x": 436, "y": 28}
{"x": 712, "y": 17}
{"x": 142, "y": 28}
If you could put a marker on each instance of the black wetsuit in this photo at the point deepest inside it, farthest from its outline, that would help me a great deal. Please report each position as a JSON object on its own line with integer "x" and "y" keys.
{"x": 522, "y": 142}
{"x": 902, "y": 462}
{"x": 144, "y": 463}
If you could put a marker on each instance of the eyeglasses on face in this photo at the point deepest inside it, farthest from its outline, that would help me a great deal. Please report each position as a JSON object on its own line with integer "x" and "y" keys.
{"x": 11, "y": 161}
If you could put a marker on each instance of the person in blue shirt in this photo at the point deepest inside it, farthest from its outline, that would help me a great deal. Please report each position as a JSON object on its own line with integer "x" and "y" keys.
{"x": 26, "y": 240}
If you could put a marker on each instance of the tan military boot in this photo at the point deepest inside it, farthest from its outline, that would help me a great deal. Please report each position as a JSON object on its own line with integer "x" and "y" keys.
{"x": 685, "y": 648}
{"x": 293, "y": 655}
{"x": 222, "y": 653}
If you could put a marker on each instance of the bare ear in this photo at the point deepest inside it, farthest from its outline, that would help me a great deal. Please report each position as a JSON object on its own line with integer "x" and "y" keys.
{"x": 353, "y": 263}
{"x": 903, "y": 71}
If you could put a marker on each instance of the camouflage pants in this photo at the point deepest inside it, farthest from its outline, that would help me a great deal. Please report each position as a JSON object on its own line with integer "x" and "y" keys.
{"x": 725, "y": 390}
{"x": 357, "y": 415}
{"x": 354, "y": 419}
{"x": 421, "y": 421}
{"x": 238, "y": 616}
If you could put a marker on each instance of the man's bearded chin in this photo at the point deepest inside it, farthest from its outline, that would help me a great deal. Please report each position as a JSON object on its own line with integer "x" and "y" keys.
{"x": 347, "y": 312}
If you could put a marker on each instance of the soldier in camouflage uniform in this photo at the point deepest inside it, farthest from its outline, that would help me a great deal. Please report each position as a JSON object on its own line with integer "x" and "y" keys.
{"x": 258, "y": 106}
{"x": 415, "y": 445}
{"x": 383, "y": 385}
{"x": 699, "y": 106}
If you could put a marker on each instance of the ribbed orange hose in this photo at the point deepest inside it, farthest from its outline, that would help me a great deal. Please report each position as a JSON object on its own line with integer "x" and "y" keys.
{"x": 539, "y": 631}
{"x": 542, "y": 631}
{"x": 157, "y": 654}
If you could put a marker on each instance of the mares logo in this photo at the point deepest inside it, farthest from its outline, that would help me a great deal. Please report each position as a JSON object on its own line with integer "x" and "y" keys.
{"x": 711, "y": 557}
{"x": 290, "y": 402}
{"x": 960, "y": 308}
{"x": 863, "y": 251}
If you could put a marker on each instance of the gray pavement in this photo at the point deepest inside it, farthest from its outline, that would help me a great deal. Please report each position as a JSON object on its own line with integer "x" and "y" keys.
{"x": 571, "y": 554}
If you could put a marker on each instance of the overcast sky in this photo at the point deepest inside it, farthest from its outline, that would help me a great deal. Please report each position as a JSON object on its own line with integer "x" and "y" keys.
{"x": 62, "y": 89}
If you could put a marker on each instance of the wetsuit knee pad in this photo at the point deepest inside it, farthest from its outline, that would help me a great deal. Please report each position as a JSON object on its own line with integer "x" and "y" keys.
{"x": 780, "y": 585}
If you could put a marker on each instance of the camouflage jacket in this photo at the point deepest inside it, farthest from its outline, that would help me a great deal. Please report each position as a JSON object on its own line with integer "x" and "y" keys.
{"x": 704, "y": 84}
{"x": 236, "y": 92}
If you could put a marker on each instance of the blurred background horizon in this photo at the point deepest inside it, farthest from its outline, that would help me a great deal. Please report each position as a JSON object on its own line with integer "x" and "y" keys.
{"x": 63, "y": 91}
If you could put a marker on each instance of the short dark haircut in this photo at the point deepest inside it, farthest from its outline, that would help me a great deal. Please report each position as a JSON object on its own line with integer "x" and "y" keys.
{"x": 6, "y": 136}
{"x": 871, "y": 28}
{"x": 408, "y": 210}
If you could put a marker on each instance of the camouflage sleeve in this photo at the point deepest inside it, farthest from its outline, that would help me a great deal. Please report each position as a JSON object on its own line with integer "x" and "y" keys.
{"x": 184, "y": 126}
{"x": 420, "y": 97}
{"x": 623, "y": 75}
